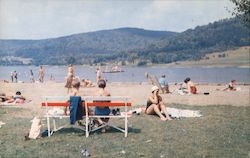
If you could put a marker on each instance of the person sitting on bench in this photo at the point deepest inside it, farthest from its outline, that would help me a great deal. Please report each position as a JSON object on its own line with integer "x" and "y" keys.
{"x": 102, "y": 110}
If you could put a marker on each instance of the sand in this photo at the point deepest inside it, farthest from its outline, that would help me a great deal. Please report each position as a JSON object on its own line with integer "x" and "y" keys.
{"x": 138, "y": 93}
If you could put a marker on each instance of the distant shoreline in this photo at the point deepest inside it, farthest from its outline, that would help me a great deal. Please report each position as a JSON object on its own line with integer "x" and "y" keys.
{"x": 170, "y": 65}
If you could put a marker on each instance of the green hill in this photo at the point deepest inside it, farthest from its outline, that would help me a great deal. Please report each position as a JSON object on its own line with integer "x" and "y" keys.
{"x": 84, "y": 48}
{"x": 131, "y": 45}
{"x": 193, "y": 44}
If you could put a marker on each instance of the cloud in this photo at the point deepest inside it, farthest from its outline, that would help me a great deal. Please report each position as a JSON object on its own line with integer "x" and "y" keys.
{"x": 29, "y": 19}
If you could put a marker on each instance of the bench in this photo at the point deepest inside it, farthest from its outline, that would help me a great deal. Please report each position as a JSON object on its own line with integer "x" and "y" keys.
{"x": 113, "y": 101}
{"x": 57, "y": 101}
{"x": 89, "y": 101}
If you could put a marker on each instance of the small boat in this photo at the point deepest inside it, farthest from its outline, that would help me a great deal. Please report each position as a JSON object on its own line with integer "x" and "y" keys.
{"x": 114, "y": 69}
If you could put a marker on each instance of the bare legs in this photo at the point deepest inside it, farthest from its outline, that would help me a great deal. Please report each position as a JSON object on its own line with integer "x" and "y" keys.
{"x": 164, "y": 110}
{"x": 156, "y": 109}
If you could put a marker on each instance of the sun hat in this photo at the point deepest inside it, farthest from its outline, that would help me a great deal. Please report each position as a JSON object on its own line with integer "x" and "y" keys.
{"x": 154, "y": 88}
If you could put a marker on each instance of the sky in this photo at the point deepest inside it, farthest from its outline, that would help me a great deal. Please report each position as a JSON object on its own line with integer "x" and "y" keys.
{"x": 40, "y": 19}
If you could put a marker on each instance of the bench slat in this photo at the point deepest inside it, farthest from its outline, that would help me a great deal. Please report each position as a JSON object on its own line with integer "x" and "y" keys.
{"x": 65, "y": 104}
{"x": 108, "y": 104}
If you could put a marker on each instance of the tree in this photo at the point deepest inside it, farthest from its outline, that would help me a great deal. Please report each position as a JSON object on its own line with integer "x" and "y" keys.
{"x": 242, "y": 10}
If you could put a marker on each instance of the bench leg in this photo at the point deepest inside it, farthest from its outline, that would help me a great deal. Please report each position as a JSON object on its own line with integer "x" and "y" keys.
{"x": 48, "y": 124}
{"x": 126, "y": 126}
{"x": 87, "y": 130}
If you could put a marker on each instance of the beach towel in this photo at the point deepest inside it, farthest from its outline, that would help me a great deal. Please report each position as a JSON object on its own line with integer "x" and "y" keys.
{"x": 177, "y": 113}
{"x": 76, "y": 110}
{"x": 13, "y": 104}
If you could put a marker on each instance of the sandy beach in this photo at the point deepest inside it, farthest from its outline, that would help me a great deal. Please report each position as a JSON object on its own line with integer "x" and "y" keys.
{"x": 137, "y": 92}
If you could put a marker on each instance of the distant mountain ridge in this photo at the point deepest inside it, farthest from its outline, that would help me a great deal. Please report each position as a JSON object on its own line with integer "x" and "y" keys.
{"x": 130, "y": 45}
{"x": 193, "y": 44}
{"x": 82, "y": 45}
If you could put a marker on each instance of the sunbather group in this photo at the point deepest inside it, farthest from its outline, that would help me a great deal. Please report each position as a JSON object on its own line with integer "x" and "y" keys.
{"x": 187, "y": 87}
{"x": 155, "y": 104}
{"x": 16, "y": 99}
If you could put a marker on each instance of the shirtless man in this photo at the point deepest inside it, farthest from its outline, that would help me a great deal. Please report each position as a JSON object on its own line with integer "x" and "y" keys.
{"x": 41, "y": 74}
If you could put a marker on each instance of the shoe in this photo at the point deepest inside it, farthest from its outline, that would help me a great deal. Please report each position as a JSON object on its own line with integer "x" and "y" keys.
{"x": 118, "y": 111}
{"x": 114, "y": 112}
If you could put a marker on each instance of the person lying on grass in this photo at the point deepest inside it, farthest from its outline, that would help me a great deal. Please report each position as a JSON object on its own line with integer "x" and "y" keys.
{"x": 155, "y": 105}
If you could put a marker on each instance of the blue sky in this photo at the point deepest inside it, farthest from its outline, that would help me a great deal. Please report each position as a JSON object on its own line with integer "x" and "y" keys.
{"x": 39, "y": 19}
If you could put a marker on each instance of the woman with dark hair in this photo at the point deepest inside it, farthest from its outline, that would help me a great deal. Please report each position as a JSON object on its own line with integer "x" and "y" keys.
{"x": 191, "y": 88}
{"x": 102, "y": 110}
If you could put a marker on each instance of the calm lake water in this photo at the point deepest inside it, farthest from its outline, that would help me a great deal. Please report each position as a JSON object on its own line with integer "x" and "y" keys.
{"x": 134, "y": 74}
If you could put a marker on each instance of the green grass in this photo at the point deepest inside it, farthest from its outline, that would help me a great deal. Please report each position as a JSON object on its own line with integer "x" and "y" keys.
{"x": 224, "y": 131}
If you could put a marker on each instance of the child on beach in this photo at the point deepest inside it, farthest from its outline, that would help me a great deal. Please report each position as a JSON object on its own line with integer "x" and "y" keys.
{"x": 179, "y": 89}
{"x": 191, "y": 88}
{"x": 155, "y": 105}
{"x": 231, "y": 86}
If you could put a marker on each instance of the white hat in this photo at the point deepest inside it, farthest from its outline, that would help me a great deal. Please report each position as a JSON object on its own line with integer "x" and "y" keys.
{"x": 154, "y": 88}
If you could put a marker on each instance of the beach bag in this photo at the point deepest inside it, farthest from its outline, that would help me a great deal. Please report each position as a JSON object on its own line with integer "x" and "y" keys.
{"x": 35, "y": 128}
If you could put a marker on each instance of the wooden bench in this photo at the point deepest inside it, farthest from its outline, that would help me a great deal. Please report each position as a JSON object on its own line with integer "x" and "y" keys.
{"x": 89, "y": 101}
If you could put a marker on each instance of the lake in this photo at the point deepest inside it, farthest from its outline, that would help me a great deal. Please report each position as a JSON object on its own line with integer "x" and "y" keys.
{"x": 134, "y": 74}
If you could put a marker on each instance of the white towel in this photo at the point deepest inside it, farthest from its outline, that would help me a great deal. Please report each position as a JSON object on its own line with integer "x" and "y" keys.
{"x": 177, "y": 113}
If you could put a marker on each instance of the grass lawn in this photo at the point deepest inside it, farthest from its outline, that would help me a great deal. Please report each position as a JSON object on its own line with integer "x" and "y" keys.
{"x": 223, "y": 131}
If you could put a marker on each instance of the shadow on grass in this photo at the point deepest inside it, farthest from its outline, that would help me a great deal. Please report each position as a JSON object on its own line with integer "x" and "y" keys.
{"x": 80, "y": 132}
